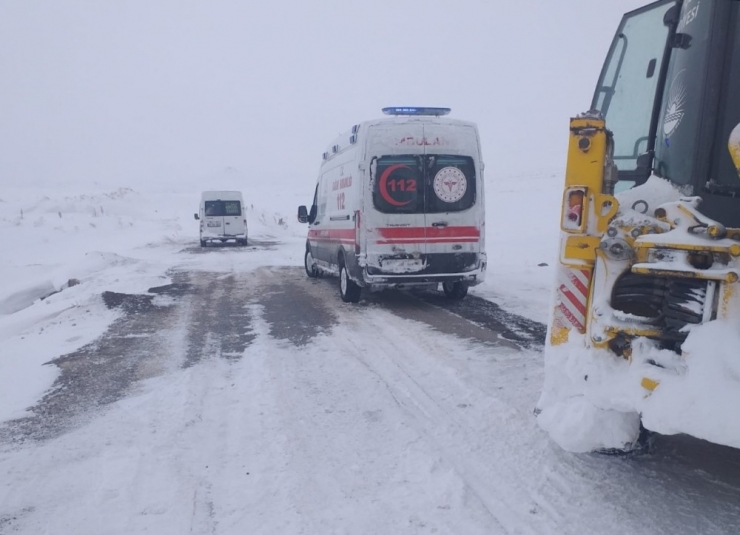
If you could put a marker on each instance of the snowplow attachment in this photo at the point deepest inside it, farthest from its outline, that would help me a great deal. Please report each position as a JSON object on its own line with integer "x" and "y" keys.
{"x": 645, "y": 326}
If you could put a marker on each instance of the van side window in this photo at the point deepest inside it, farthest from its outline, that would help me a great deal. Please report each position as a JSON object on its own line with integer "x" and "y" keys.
{"x": 322, "y": 195}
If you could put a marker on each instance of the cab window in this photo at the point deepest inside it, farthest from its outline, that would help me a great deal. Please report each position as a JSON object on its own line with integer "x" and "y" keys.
{"x": 681, "y": 110}
{"x": 625, "y": 95}
{"x": 724, "y": 171}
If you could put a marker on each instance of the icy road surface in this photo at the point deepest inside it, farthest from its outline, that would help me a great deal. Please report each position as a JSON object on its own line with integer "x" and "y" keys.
{"x": 255, "y": 401}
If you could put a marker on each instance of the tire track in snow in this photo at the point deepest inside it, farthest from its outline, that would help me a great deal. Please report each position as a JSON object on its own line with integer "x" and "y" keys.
{"x": 220, "y": 322}
{"x": 436, "y": 416}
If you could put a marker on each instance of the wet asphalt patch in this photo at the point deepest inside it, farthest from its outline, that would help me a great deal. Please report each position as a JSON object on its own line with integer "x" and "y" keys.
{"x": 293, "y": 308}
{"x": 213, "y": 308}
{"x": 523, "y": 332}
{"x": 220, "y": 321}
{"x": 98, "y": 373}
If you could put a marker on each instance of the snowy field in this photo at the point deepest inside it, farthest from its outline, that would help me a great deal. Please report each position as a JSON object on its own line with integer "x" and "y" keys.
{"x": 420, "y": 432}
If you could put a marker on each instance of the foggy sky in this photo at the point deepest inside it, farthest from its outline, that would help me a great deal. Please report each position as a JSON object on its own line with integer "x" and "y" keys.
{"x": 122, "y": 91}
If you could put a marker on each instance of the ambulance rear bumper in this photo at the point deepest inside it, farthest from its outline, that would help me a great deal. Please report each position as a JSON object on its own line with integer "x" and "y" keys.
{"x": 471, "y": 279}
{"x": 472, "y": 272}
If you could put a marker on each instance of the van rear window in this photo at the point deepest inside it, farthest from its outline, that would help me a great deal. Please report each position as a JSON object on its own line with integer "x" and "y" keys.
{"x": 223, "y": 208}
{"x": 423, "y": 184}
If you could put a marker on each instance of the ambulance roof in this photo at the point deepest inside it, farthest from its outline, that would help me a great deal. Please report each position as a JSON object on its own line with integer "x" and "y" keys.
{"x": 349, "y": 137}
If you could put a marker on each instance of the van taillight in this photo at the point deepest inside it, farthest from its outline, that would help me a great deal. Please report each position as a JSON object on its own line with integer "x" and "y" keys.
{"x": 357, "y": 232}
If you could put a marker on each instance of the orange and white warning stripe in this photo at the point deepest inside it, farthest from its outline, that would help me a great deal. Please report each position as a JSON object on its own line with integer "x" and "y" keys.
{"x": 573, "y": 287}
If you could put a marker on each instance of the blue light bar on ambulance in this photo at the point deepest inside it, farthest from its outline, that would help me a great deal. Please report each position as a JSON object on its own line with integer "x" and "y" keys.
{"x": 395, "y": 110}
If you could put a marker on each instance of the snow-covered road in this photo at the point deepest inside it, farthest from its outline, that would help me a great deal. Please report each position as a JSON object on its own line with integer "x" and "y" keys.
{"x": 255, "y": 401}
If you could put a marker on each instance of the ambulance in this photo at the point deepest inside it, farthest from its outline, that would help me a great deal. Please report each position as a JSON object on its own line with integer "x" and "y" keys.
{"x": 222, "y": 217}
{"x": 399, "y": 203}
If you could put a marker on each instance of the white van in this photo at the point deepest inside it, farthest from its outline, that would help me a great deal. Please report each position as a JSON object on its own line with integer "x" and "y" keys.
{"x": 399, "y": 202}
{"x": 222, "y": 217}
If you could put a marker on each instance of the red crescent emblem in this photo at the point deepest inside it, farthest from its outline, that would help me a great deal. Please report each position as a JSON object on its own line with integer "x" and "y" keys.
{"x": 384, "y": 185}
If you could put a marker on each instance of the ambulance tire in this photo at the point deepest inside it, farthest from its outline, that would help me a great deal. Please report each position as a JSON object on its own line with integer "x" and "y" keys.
{"x": 311, "y": 271}
{"x": 348, "y": 289}
{"x": 203, "y": 243}
{"x": 455, "y": 290}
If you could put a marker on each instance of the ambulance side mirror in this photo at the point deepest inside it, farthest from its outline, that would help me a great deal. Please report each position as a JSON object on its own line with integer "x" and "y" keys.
{"x": 196, "y": 216}
{"x": 302, "y": 214}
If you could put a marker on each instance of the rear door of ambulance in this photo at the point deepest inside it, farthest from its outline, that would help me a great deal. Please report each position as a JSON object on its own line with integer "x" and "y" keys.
{"x": 455, "y": 216}
{"x": 394, "y": 199}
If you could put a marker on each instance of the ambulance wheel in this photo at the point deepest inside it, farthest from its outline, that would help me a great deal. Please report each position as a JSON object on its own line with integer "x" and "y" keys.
{"x": 455, "y": 290}
{"x": 309, "y": 264}
{"x": 349, "y": 290}
{"x": 203, "y": 243}
{"x": 241, "y": 241}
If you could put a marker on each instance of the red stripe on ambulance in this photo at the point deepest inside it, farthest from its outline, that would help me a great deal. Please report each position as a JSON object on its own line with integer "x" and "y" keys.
{"x": 405, "y": 235}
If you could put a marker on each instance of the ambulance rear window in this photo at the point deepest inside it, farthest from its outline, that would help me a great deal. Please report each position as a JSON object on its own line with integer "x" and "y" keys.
{"x": 398, "y": 187}
{"x": 223, "y": 208}
{"x": 450, "y": 183}
{"x": 424, "y": 184}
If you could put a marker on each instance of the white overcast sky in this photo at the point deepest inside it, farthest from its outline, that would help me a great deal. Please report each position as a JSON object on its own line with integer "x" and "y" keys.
{"x": 119, "y": 91}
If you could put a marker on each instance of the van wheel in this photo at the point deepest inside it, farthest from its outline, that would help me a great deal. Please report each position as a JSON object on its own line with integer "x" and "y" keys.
{"x": 310, "y": 265}
{"x": 241, "y": 241}
{"x": 349, "y": 290}
{"x": 455, "y": 290}
{"x": 203, "y": 243}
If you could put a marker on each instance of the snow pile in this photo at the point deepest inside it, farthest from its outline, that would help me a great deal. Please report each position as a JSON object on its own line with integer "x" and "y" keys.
{"x": 583, "y": 405}
{"x": 593, "y": 400}
{"x": 700, "y": 397}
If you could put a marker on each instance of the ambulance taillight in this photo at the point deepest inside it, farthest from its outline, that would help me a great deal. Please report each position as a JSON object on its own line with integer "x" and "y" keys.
{"x": 357, "y": 232}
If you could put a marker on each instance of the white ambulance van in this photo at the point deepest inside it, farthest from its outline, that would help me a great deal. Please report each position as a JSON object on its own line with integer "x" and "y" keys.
{"x": 399, "y": 202}
{"x": 222, "y": 217}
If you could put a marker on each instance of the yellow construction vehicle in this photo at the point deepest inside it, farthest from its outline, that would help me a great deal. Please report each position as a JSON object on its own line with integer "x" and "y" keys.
{"x": 645, "y": 326}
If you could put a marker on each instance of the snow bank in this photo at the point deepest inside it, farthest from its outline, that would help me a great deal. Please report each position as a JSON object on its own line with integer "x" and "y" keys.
{"x": 594, "y": 400}
{"x": 701, "y": 397}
